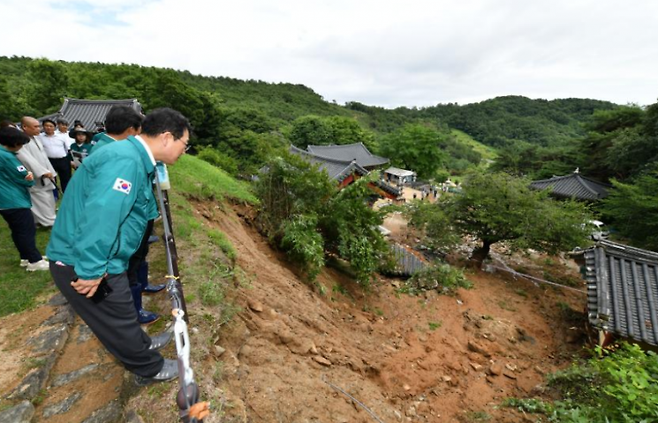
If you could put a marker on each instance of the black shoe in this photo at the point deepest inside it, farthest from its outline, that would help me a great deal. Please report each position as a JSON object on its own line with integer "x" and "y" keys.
{"x": 160, "y": 341}
{"x": 152, "y": 289}
{"x": 169, "y": 371}
{"x": 146, "y": 317}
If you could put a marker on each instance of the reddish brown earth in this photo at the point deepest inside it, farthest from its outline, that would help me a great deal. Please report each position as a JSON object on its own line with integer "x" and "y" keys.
{"x": 429, "y": 358}
{"x": 291, "y": 349}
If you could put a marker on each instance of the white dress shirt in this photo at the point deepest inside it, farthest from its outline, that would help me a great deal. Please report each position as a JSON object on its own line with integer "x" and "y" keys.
{"x": 55, "y": 146}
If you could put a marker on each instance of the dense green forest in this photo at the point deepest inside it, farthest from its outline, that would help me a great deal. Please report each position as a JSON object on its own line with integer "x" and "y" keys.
{"x": 240, "y": 125}
{"x": 248, "y": 120}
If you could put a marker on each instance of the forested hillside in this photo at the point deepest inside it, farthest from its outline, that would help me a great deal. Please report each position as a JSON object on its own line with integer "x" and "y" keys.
{"x": 248, "y": 120}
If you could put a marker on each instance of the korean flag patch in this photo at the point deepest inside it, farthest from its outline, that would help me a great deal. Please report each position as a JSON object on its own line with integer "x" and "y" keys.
{"x": 122, "y": 185}
{"x": 21, "y": 168}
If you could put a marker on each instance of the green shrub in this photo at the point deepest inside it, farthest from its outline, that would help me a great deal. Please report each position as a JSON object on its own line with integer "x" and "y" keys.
{"x": 622, "y": 386}
{"x": 442, "y": 277}
{"x": 304, "y": 244}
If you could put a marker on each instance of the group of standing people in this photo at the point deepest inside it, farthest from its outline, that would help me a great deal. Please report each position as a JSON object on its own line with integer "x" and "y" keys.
{"x": 99, "y": 240}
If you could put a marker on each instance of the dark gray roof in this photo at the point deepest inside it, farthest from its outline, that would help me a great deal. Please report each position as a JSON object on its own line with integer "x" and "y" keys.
{"x": 336, "y": 169}
{"x": 394, "y": 191}
{"x": 89, "y": 111}
{"x": 573, "y": 186}
{"x": 349, "y": 152}
{"x": 622, "y": 290}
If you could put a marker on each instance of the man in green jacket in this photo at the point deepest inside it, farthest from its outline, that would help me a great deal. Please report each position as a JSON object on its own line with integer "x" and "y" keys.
{"x": 120, "y": 123}
{"x": 100, "y": 224}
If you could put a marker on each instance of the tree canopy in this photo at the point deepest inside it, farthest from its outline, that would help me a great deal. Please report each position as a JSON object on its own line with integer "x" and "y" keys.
{"x": 498, "y": 207}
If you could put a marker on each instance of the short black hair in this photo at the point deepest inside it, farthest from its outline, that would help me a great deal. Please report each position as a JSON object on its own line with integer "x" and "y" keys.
{"x": 48, "y": 120}
{"x": 62, "y": 121}
{"x": 6, "y": 123}
{"x": 12, "y": 137}
{"x": 166, "y": 120}
{"x": 120, "y": 118}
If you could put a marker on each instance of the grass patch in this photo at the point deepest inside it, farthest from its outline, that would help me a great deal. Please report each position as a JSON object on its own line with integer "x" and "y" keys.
{"x": 200, "y": 179}
{"x": 506, "y": 306}
{"x": 435, "y": 325}
{"x": 20, "y": 289}
{"x": 477, "y": 416}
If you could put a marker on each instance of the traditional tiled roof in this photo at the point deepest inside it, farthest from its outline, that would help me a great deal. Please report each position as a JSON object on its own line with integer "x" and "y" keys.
{"x": 622, "y": 290}
{"x": 349, "y": 152}
{"x": 336, "y": 169}
{"x": 573, "y": 186}
{"x": 390, "y": 189}
{"x": 399, "y": 172}
{"x": 89, "y": 111}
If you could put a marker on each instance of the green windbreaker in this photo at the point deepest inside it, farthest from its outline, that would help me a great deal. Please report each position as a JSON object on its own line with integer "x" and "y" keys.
{"x": 103, "y": 215}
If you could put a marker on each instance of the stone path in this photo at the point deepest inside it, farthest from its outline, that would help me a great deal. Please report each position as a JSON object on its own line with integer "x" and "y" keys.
{"x": 70, "y": 377}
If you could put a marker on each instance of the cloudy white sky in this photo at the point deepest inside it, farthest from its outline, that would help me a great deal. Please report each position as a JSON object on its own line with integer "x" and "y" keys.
{"x": 386, "y": 52}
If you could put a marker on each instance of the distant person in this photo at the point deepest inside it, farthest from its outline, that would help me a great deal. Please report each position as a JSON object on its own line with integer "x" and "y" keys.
{"x": 6, "y": 123}
{"x": 101, "y": 222}
{"x": 34, "y": 158}
{"x": 120, "y": 123}
{"x": 81, "y": 147}
{"x": 57, "y": 150}
{"x": 62, "y": 130}
{"x": 15, "y": 203}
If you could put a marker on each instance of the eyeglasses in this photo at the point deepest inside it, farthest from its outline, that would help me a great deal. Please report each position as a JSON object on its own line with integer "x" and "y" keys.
{"x": 187, "y": 144}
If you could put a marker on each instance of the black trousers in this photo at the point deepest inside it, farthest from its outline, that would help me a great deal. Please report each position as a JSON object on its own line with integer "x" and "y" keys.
{"x": 23, "y": 233}
{"x": 63, "y": 168}
{"x": 139, "y": 256}
{"x": 113, "y": 321}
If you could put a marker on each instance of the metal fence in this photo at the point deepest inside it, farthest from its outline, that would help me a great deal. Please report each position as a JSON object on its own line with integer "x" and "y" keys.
{"x": 407, "y": 262}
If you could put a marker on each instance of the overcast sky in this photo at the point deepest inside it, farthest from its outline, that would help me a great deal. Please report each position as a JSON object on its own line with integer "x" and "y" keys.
{"x": 386, "y": 53}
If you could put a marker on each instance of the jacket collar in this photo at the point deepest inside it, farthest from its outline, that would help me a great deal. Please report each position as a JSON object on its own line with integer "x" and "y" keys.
{"x": 144, "y": 153}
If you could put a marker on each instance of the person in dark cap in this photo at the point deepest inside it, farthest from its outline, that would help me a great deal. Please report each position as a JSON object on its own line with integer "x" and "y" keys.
{"x": 81, "y": 146}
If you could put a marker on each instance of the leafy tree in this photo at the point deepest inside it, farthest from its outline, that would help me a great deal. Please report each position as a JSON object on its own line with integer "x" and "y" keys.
{"x": 337, "y": 130}
{"x": 633, "y": 208}
{"x": 50, "y": 85}
{"x": 498, "y": 207}
{"x": 416, "y": 147}
{"x": 303, "y": 212}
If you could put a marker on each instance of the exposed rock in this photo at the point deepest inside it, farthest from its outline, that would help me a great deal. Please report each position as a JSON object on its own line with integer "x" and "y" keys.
{"x": 74, "y": 375}
{"x": 475, "y": 347}
{"x": 34, "y": 381}
{"x": 84, "y": 334}
{"x": 476, "y": 366}
{"x": 496, "y": 369}
{"x": 62, "y": 406}
{"x": 49, "y": 340}
{"x": 321, "y": 360}
{"x": 255, "y": 305}
{"x": 58, "y": 300}
{"x": 406, "y": 387}
{"x": 21, "y": 413}
{"x": 509, "y": 374}
{"x": 511, "y": 367}
{"x": 219, "y": 350}
{"x": 65, "y": 314}
{"x": 411, "y": 412}
{"x": 133, "y": 417}
{"x": 111, "y": 413}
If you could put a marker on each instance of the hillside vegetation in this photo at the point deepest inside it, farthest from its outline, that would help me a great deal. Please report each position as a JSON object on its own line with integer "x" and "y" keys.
{"x": 249, "y": 121}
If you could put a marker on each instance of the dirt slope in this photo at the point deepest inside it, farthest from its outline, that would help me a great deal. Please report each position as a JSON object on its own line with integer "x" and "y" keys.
{"x": 431, "y": 358}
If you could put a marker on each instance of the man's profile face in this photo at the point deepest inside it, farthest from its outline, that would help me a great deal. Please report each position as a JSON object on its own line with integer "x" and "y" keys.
{"x": 32, "y": 128}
